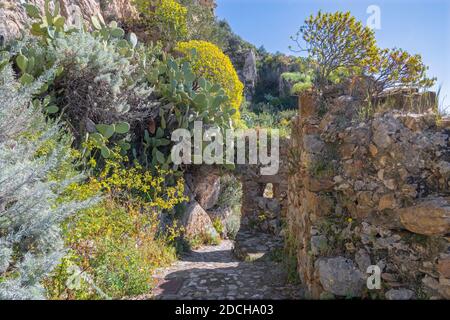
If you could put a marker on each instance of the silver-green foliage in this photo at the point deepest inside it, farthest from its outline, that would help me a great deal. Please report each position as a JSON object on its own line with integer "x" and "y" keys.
{"x": 30, "y": 215}
{"x": 230, "y": 198}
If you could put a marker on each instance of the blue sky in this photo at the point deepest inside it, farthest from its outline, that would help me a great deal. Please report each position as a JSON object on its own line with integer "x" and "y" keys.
{"x": 418, "y": 26}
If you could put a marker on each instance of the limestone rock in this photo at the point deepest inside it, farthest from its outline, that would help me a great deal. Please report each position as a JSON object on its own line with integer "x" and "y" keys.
{"x": 399, "y": 294}
{"x": 430, "y": 217}
{"x": 340, "y": 276}
{"x": 313, "y": 144}
{"x": 205, "y": 185}
{"x": 362, "y": 259}
{"x": 250, "y": 74}
{"x": 318, "y": 184}
{"x": 196, "y": 221}
{"x": 13, "y": 18}
{"x": 443, "y": 267}
{"x": 318, "y": 244}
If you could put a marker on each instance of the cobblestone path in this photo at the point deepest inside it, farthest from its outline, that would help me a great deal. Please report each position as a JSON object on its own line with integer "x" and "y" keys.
{"x": 214, "y": 272}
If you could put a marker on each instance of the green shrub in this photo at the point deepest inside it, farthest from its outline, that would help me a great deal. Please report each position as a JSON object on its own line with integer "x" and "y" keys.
{"x": 217, "y": 224}
{"x": 300, "y": 81}
{"x": 165, "y": 19}
{"x": 270, "y": 119}
{"x": 210, "y": 62}
{"x": 34, "y": 155}
{"x": 118, "y": 243}
{"x": 231, "y": 197}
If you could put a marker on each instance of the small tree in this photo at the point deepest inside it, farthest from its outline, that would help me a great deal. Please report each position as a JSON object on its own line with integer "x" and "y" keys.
{"x": 396, "y": 68}
{"x": 340, "y": 46}
{"x": 336, "y": 41}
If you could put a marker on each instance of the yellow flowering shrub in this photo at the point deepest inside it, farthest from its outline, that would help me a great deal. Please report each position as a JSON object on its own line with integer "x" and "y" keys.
{"x": 166, "y": 18}
{"x": 210, "y": 62}
{"x": 118, "y": 242}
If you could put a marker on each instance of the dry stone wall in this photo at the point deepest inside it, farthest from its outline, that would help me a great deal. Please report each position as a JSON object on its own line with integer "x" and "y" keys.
{"x": 369, "y": 192}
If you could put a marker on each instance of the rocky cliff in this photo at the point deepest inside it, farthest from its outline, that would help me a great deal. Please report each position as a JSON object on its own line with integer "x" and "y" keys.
{"x": 13, "y": 18}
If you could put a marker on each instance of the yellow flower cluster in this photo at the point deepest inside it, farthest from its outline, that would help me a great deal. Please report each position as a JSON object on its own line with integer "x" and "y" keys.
{"x": 166, "y": 17}
{"x": 117, "y": 180}
{"x": 211, "y": 63}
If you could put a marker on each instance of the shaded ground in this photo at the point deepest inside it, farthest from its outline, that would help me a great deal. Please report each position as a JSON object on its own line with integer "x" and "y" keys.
{"x": 214, "y": 272}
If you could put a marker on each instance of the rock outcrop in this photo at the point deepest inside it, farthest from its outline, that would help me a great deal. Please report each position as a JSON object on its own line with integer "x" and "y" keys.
{"x": 196, "y": 221}
{"x": 250, "y": 74}
{"x": 13, "y": 19}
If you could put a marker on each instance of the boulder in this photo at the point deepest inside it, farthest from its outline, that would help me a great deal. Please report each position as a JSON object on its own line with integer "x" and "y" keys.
{"x": 362, "y": 259}
{"x": 340, "y": 276}
{"x": 443, "y": 267}
{"x": 429, "y": 217}
{"x": 196, "y": 221}
{"x": 313, "y": 144}
{"x": 205, "y": 186}
{"x": 399, "y": 294}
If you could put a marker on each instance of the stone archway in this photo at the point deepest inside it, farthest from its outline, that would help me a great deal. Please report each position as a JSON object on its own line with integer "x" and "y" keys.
{"x": 259, "y": 212}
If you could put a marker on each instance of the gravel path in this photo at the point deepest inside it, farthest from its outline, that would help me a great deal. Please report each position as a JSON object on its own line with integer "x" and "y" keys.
{"x": 214, "y": 272}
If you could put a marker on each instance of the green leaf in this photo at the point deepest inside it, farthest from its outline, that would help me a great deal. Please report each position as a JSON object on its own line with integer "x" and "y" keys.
{"x": 133, "y": 40}
{"x": 22, "y": 62}
{"x": 201, "y": 100}
{"x": 59, "y": 22}
{"x": 122, "y": 127}
{"x": 164, "y": 142}
{"x": 106, "y": 153}
{"x": 32, "y": 11}
{"x": 163, "y": 121}
{"x": 124, "y": 145}
{"x": 97, "y": 138}
{"x": 159, "y": 133}
{"x": 52, "y": 109}
{"x": 160, "y": 156}
{"x": 51, "y": 32}
{"x": 106, "y": 130}
{"x": 57, "y": 8}
{"x": 117, "y": 33}
{"x": 96, "y": 23}
{"x": 123, "y": 44}
{"x": 202, "y": 83}
{"x": 26, "y": 79}
{"x": 36, "y": 29}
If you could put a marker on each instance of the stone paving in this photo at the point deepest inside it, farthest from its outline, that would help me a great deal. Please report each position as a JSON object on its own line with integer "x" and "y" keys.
{"x": 214, "y": 273}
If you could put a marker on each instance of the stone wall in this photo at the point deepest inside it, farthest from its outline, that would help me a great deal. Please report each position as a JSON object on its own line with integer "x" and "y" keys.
{"x": 369, "y": 192}
{"x": 258, "y": 210}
